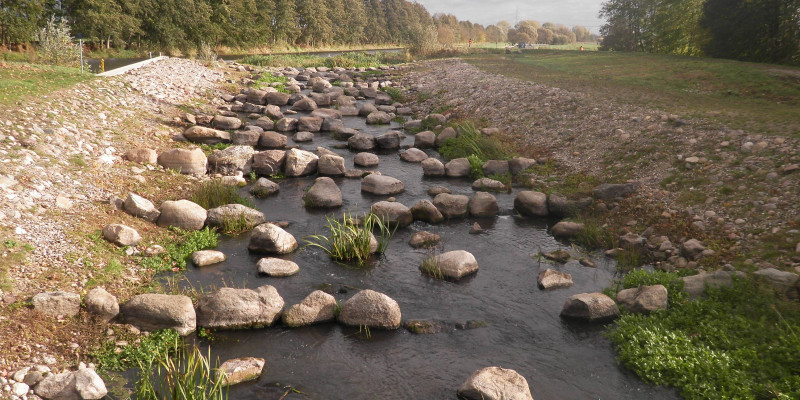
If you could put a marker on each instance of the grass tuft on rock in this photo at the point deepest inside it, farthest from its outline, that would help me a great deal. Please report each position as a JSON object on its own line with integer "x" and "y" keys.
{"x": 214, "y": 194}
{"x": 349, "y": 238}
{"x": 740, "y": 343}
{"x": 471, "y": 142}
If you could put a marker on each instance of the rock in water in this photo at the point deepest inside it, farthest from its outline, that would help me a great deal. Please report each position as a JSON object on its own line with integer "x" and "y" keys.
{"x": 381, "y": 185}
{"x": 230, "y": 308}
{"x": 316, "y": 308}
{"x": 495, "y": 383}
{"x": 324, "y": 193}
{"x": 451, "y": 265}
{"x": 371, "y": 309}
{"x": 240, "y": 370}
{"x": 591, "y": 307}
{"x": 531, "y": 204}
{"x": 160, "y": 311}
{"x": 392, "y": 213}
{"x": 277, "y": 267}
{"x": 269, "y": 238}
{"x": 205, "y": 258}
{"x": 551, "y": 279}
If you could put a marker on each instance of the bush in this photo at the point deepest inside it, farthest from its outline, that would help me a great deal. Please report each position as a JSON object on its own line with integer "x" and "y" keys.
{"x": 740, "y": 343}
{"x": 214, "y": 193}
{"x": 472, "y": 142}
{"x": 131, "y": 355}
{"x": 55, "y": 44}
{"x": 206, "y": 55}
{"x": 349, "y": 238}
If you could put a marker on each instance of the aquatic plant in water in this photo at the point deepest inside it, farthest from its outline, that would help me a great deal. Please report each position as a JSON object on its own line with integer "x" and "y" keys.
{"x": 350, "y": 238}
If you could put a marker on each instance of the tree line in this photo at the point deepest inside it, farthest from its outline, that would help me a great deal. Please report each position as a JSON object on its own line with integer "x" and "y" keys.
{"x": 450, "y": 31}
{"x": 185, "y": 24}
{"x": 750, "y": 30}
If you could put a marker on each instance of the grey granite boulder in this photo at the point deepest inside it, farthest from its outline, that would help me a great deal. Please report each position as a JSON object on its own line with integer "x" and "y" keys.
{"x": 160, "y": 311}
{"x": 371, "y": 309}
{"x": 270, "y": 238}
{"x": 495, "y": 383}
{"x": 230, "y": 308}
{"x": 57, "y": 304}
{"x": 182, "y": 214}
{"x": 591, "y": 307}
{"x": 317, "y": 307}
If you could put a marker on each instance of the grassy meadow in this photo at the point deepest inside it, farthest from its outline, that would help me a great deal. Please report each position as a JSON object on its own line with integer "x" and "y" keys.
{"x": 758, "y": 97}
{"x": 19, "y": 81}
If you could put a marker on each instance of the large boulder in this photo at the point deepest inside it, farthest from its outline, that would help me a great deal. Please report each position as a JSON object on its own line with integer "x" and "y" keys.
{"x": 445, "y": 134}
{"x": 531, "y": 204}
{"x": 609, "y": 191}
{"x": 695, "y": 285}
{"x": 381, "y": 185}
{"x": 303, "y": 136}
{"x": 365, "y": 159}
{"x": 265, "y": 123}
{"x": 331, "y": 165}
{"x": 83, "y": 384}
{"x": 270, "y": 238}
{"x": 389, "y": 140}
{"x": 518, "y": 164}
{"x": 160, "y": 311}
{"x": 273, "y": 112}
{"x": 204, "y": 258}
{"x": 786, "y": 283}
{"x": 269, "y": 162}
{"x": 452, "y": 205}
{"x": 424, "y": 239}
{"x": 140, "y": 207}
{"x": 327, "y": 113}
{"x": 591, "y": 307}
{"x": 57, "y": 304}
{"x": 300, "y": 163}
{"x": 121, "y": 235}
{"x": 141, "y": 156}
{"x": 201, "y": 134}
{"x": 189, "y": 162}
{"x": 489, "y": 185}
{"x": 560, "y": 206}
{"x": 644, "y": 299}
{"x": 424, "y": 210}
{"x": 304, "y": 104}
{"x": 451, "y": 265}
{"x": 309, "y": 124}
{"x": 272, "y": 140}
{"x": 371, "y": 309}
{"x": 264, "y": 188}
{"x": 552, "y": 279}
{"x": 495, "y": 383}
{"x": 413, "y": 155}
{"x": 316, "y": 308}
{"x": 226, "y": 123}
{"x": 495, "y": 167}
{"x": 432, "y": 167}
{"x": 567, "y": 229}
{"x": 483, "y": 204}
{"x": 457, "y": 168}
{"x": 277, "y": 267}
{"x": 232, "y": 160}
{"x": 240, "y": 370}
{"x": 383, "y": 99}
{"x": 324, "y": 193}
{"x": 182, "y": 214}
{"x": 218, "y": 216}
{"x": 277, "y": 98}
{"x": 256, "y": 96}
{"x": 367, "y": 109}
{"x": 286, "y": 125}
{"x": 362, "y": 142}
{"x": 102, "y": 304}
{"x": 230, "y": 308}
{"x": 393, "y": 213}
{"x": 424, "y": 140}
{"x": 322, "y": 99}
{"x": 378, "y": 118}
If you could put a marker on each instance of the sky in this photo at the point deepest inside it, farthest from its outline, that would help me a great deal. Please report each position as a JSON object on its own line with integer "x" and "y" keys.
{"x": 487, "y": 12}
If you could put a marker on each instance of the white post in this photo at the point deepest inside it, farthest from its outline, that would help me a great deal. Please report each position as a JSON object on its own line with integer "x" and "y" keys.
{"x": 80, "y": 43}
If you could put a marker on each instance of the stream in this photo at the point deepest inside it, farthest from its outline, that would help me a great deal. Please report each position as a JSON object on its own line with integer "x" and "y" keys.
{"x": 496, "y": 317}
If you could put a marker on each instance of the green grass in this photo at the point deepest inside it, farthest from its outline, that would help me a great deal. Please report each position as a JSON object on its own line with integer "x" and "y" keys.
{"x": 268, "y": 79}
{"x": 740, "y": 343}
{"x": 758, "y": 97}
{"x": 214, "y": 194}
{"x": 11, "y": 253}
{"x": 431, "y": 268}
{"x": 471, "y": 142}
{"x": 179, "y": 251}
{"x": 395, "y": 93}
{"x": 20, "y": 81}
{"x": 349, "y": 239}
{"x": 595, "y": 236}
{"x": 108, "y": 358}
{"x": 111, "y": 271}
{"x": 234, "y": 225}
{"x": 181, "y": 375}
{"x": 209, "y": 148}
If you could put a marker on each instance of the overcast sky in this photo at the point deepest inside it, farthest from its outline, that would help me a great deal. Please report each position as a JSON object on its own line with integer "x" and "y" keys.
{"x": 486, "y": 12}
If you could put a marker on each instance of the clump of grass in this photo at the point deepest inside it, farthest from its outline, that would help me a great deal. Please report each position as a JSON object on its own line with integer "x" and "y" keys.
{"x": 234, "y": 225}
{"x": 349, "y": 238}
{"x": 178, "y": 252}
{"x": 395, "y": 93}
{"x": 472, "y": 142}
{"x": 594, "y": 236}
{"x": 214, "y": 194}
{"x": 639, "y": 277}
{"x": 431, "y": 268}
{"x": 186, "y": 375}
{"x": 108, "y": 358}
{"x": 267, "y": 79}
{"x": 209, "y": 148}
{"x": 628, "y": 259}
{"x": 739, "y": 343}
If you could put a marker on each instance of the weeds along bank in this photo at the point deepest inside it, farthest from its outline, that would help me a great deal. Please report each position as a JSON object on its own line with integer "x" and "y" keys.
{"x": 467, "y": 141}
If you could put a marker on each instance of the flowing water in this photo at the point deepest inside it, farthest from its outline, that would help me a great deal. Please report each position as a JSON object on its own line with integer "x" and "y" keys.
{"x": 496, "y": 317}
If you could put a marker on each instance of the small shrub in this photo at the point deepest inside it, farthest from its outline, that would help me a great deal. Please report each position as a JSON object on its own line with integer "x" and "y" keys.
{"x": 475, "y": 166}
{"x": 110, "y": 359}
{"x": 206, "y": 55}
{"x": 55, "y": 44}
{"x": 176, "y": 254}
{"x": 214, "y": 193}
{"x": 472, "y": 142}
{"x": 395, "y": 93}
{"x": 629, "y": 259}
{"x": 349, "y": 240}
{"x": 594, "y": 236}
{"x": 234, "y": 225}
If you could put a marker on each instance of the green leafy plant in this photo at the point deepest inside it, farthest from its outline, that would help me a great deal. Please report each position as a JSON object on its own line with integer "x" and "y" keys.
{"x": 209, "y": 148}
{"x": 55, "y": 44}
{"x": 475, "y": 166}
{"x": 234, "y": 225}
{"x": 395, "y": 93}
{"x": 639, "y": 277}
{"x": 471, "y": 141}
{"x": 431, "y": 268}
{"x": 214, "y": 193}
{"x": 177, "y": 253}
{"x": 159, "y": 342}
{"x": 350, "y": 239}
{"x": 184, "y": 375}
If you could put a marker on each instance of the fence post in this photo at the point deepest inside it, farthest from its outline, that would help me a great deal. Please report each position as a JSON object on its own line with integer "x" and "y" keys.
{"x": 80, "y": 43}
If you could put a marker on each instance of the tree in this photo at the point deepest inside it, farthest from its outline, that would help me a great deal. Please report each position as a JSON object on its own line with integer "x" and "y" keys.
{"x": 766, "y": 30}
{"x": 495, "y": 34}
{"x": 284, "y": 25}
{"x": 524, "y": 32}
{"x": 545, "y": 36}
{"x": 375, "y": 31}
{"x": 355, "y": 21}
{"x": 20, "y": 20}
{"x": 315, "y": 26}
{"x": 581, "y": 34}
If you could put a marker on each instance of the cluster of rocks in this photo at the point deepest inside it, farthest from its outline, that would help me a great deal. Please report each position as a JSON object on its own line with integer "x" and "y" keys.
{"x": 40, "y": 382}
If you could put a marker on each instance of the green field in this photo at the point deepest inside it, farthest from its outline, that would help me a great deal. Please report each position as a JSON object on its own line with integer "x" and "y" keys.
{"x": 758, "y": 97}
{"x": 587, "y": 46}
{"x": 21, "y": 80}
